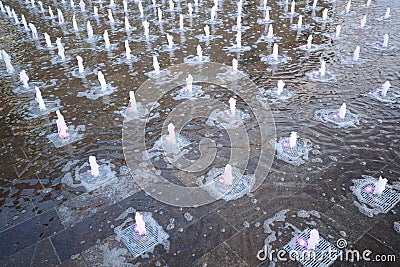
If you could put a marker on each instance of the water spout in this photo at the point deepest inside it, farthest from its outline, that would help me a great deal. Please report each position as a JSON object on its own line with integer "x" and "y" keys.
{"x": 380, "y": 186}
{"x": 227, "y": 177}
{"x": 170, "y": 41}
{"x": 189, "y": 83}
{"x": 60, "y": 16}
{"x": 338, "y": 29}
{"x": 156, "y": 66}
{"x": 385, "y": 88}
{"x": 132, "y": 101}
{"x": 23, "y": 77}
{"x": 266, "y": 16}
{"x": 299, "y": 22}
{"x": 74, "y": 24}
{"x": 60, "y": 48}
{"x": 127, "y": 50}
{"x": 342, "y": 111}
{"x": 190, "y": 9}
{"x": 171, "y": 137}
{"x": 348, "y": 6}
{"x": 293, "y": 139}
{"x": 199, "y": 53}
{"x": 127, "y": 26}
{"x": 275, "y": 52}
{"x": 363, "y": 21}
{"x": 159, "y": 13}
{"x": 313, "y": 241}
{"x": 314, "y": 6}
{"x": 146, "y": 28}
{"x": 385, "y": 40}
{"x": 140, "y": 7}
{"x": 213, "y": 13}
{"x": 110, "y": 16}
{"x": 48, "y": 41}
{"x": 89, "y": 29}
{"x": 325, "y": 14}
{"x": 356, "y": 54}
{"x": 281, "y": 84}
{"x": 94, "y": 167}
{"x": 293, "y": 7}
{"x": 207, "y": 31}
{"x": 51, "y": 13}
{"x": 125, "y": 4}
{"x": 270, "y": 34}
{"x": 61, "y": 125}
{"x": 102, "y": 81}
{"x": 235, "y": 65}
{"x": 238, "y": 39}
{"x": 95, "y": 12}
{"x": 309, "y": 41}
{"x": 140, "y": 224}
{"x": 106, "y": 39}
{"x": 181, "y": 22}
{"x": 82, "y": 5}
{"x": 232, "y": 106}
{"x": 80, "y": 64}
{"x": 24, "y": 22}
{"x": 239, "y": 22}
{"x": 34, "y": 31}
{"x": 39, "y": 99}
{"x": 387, "y": 14}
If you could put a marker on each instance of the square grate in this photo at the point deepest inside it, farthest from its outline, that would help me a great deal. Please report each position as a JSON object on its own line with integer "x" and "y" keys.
{"x": 138, "y": 245}
{"x": 382, "y": 203}
{"x": 241, "y": 184}
{"x": 325, "y": 252}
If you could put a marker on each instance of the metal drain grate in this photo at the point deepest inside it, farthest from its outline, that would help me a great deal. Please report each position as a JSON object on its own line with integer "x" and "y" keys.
{"x": 383, "y": 203}
{"x": 325, "y": 252}
{"x": 241, "y": 184}
{"x": 138, "y": 245}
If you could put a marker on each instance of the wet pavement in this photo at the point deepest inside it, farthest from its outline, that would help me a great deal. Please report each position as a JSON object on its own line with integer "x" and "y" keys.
{"x": 44, "y": 222}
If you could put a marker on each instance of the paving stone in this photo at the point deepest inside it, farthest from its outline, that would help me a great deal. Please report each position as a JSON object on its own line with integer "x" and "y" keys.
{"x": 198, "y": 239}
{"x": 85, "y": 234}
{"x": 220, "y": 256}
{"x": 29, "y": 232}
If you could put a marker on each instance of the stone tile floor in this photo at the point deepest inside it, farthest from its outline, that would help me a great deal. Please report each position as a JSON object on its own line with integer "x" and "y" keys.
{"x": 220, "y": 234}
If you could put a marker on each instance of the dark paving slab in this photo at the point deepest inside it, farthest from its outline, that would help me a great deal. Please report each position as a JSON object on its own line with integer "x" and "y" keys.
{"x": 380, "y": 254}
{"x": 384, "y": 232}
{"x": 29, "y": 232}
{"x": 198, "y": 239}
{"x": 345, "y": 215}
{"x": 40, "y": 254}
{"x": 85, "y": 234}
{"x": 220, "y": 256}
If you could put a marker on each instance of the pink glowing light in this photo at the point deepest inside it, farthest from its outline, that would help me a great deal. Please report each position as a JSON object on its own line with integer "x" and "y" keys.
{"x": 302, "y": 243}
{"x": 369, "y": 189}
{"x": 286, "y": 144}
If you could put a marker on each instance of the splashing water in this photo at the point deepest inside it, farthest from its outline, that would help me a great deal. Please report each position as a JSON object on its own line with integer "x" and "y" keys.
{"x": 61, "y": 125}
{"x": 24, "y": 78}
{"x": 80, "y": 64}
{"x": 94, "y": 167}
{"x": 89, "y": 30}
{"x": 106, "y": 39}
{"x": 100, "y": 77}
{"x": 39, "y": 99}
